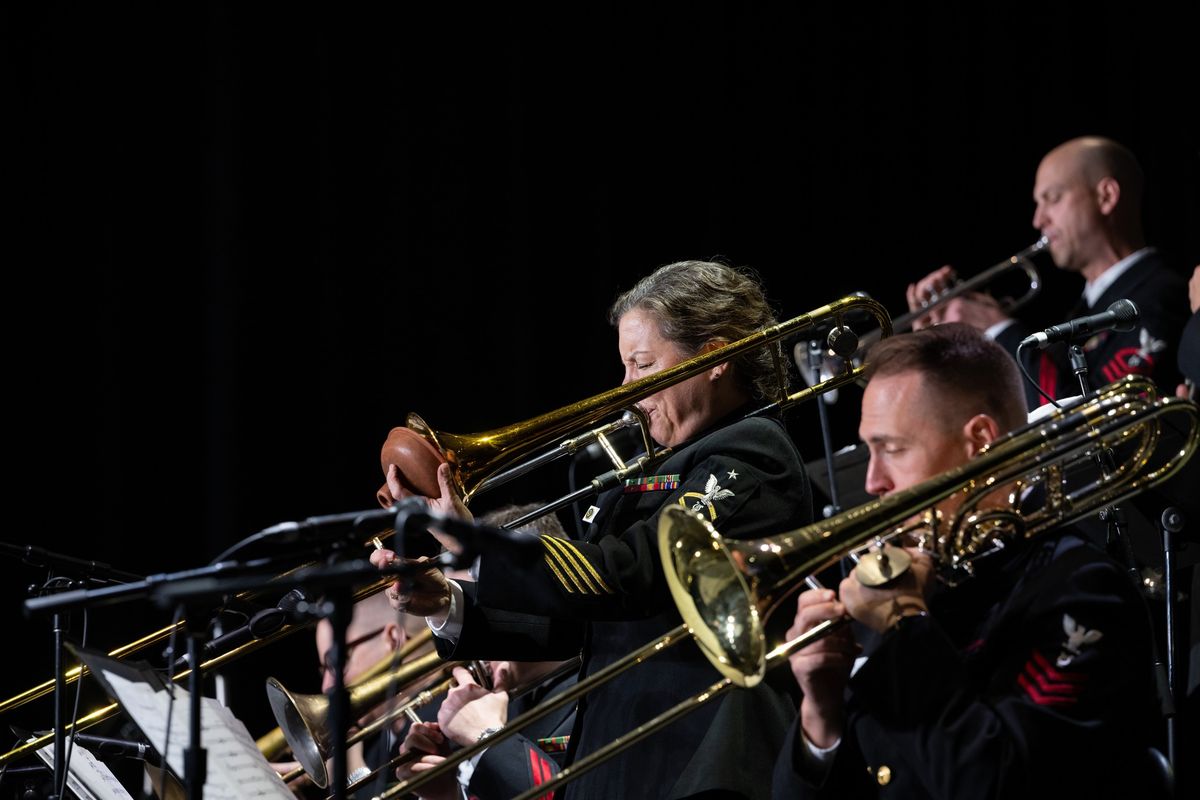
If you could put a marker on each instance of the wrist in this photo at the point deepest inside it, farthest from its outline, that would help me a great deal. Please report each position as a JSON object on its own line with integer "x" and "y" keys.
{"x": 485, "y": 733}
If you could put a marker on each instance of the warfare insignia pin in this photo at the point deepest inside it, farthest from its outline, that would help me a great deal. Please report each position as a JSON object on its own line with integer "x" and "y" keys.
{"x": 701, "y": 502}
{"x": 1077, "y": 637}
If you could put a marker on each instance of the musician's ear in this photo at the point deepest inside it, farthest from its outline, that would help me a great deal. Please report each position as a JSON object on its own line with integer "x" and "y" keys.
{"x": 978, "y": 432}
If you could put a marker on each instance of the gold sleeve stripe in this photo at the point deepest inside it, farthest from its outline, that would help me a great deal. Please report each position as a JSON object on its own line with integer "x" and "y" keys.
{"x": 566, "y": 563}
{"x": 558, "y": 566}
{"x": 582, "y": 567}
{"x": 561, "y": 578}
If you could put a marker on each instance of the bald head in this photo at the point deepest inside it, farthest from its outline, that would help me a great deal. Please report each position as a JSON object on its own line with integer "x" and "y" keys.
{"x": 1088, "y": 196}
{"x": 1096, "y": 158}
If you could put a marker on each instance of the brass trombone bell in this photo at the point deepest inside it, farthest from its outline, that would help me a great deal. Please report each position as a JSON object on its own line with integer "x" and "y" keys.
{"x": 273, "y": 744}
{"x": 304, "y": 718}
{"x": 417, "y": 461}
{"x": 476, "y": 459}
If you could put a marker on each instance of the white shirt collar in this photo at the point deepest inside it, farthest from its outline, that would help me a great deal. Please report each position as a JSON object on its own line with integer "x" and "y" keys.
{"x": 1094, "y": 289}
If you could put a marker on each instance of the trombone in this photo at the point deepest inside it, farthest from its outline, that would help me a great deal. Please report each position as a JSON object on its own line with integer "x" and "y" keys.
{"x": 482, "y": 460}
{"x": 273, "y": 744}
{"x": 478, "y": 670}
{"x": 725, "y": 589}
{"x": 304, "y": 719}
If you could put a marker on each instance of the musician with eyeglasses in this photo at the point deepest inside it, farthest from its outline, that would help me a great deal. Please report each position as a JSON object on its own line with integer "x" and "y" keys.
{"x": 376, "y": 631}
{"x": 605, "y": 595}
{"x": 1034, "y": 678}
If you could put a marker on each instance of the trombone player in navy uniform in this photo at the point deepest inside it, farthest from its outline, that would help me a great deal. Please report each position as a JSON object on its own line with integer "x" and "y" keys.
{"x": 1032, "y": 679}
{"x": 606, "y": 596}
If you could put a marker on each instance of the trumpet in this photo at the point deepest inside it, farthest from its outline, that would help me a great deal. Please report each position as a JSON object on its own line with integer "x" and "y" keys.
{"x": 102, "y": 713}
{"x": 725, "y": 589}
{"x": 1019, "y": 262}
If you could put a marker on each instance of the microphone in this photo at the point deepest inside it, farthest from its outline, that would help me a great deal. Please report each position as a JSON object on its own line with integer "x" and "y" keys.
{"x": 106, "y": 748}
{"x": 1120, "y": 316}
{"x": 261, "y": 625}
{"x": 414, "y": 516}
{"x": 315, "y": 527}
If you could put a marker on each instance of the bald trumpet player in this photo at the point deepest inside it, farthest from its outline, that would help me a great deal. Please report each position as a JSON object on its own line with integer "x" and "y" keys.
{"x": 1088, "y": 204}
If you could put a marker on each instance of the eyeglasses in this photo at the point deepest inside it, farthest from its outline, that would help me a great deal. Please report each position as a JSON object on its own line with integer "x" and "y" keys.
{"x": 326, "y": 666}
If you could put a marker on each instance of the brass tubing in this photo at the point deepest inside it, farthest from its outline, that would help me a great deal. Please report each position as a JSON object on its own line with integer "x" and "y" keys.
{"x": 550, "y": 704}
{"x": 103, "y": 713}
{"x": 77, "y": 672}
{"x": 474, "y": 458}
{"x": 273, "y": 743}
{"x": 594, "y": 759}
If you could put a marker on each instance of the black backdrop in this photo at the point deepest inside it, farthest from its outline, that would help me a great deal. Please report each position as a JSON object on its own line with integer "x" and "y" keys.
{"x": 249, "y": 238}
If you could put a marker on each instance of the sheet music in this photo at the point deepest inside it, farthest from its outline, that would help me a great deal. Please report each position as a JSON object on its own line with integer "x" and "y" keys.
{"x": 235, "y": 767}
{"x": 88, "y": 777}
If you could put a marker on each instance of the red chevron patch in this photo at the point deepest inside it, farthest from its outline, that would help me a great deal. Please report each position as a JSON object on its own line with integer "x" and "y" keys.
{"x": 540, "y": 771}
{"x": 1048, "y": 686}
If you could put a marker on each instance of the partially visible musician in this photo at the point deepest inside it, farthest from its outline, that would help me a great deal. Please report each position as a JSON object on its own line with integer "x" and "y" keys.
{"x": 1088, "y": 204}
{"x": 1032, "y": 679}
{"x": 1189, "y": 345}
{"x": 606, "y": 594}
{"x": 376, "y": 631}
{"x": 469, "y": 711}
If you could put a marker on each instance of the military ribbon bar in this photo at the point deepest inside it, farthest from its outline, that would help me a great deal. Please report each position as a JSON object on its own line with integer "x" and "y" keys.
{"x": 654, "y": 483}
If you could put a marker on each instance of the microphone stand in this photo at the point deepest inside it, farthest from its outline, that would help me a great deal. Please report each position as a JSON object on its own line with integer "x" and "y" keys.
{"x": 1118, "y": 546}
{"x": 84, "y": 571}
{"x": 1170, "y": 523}
{"x": 60, "y": 691}
{"x": 816, "y": 355}
{"x": 195, "y": 758}
{"x": 341, "y": 609}
{"x": 1117, "y": 542}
